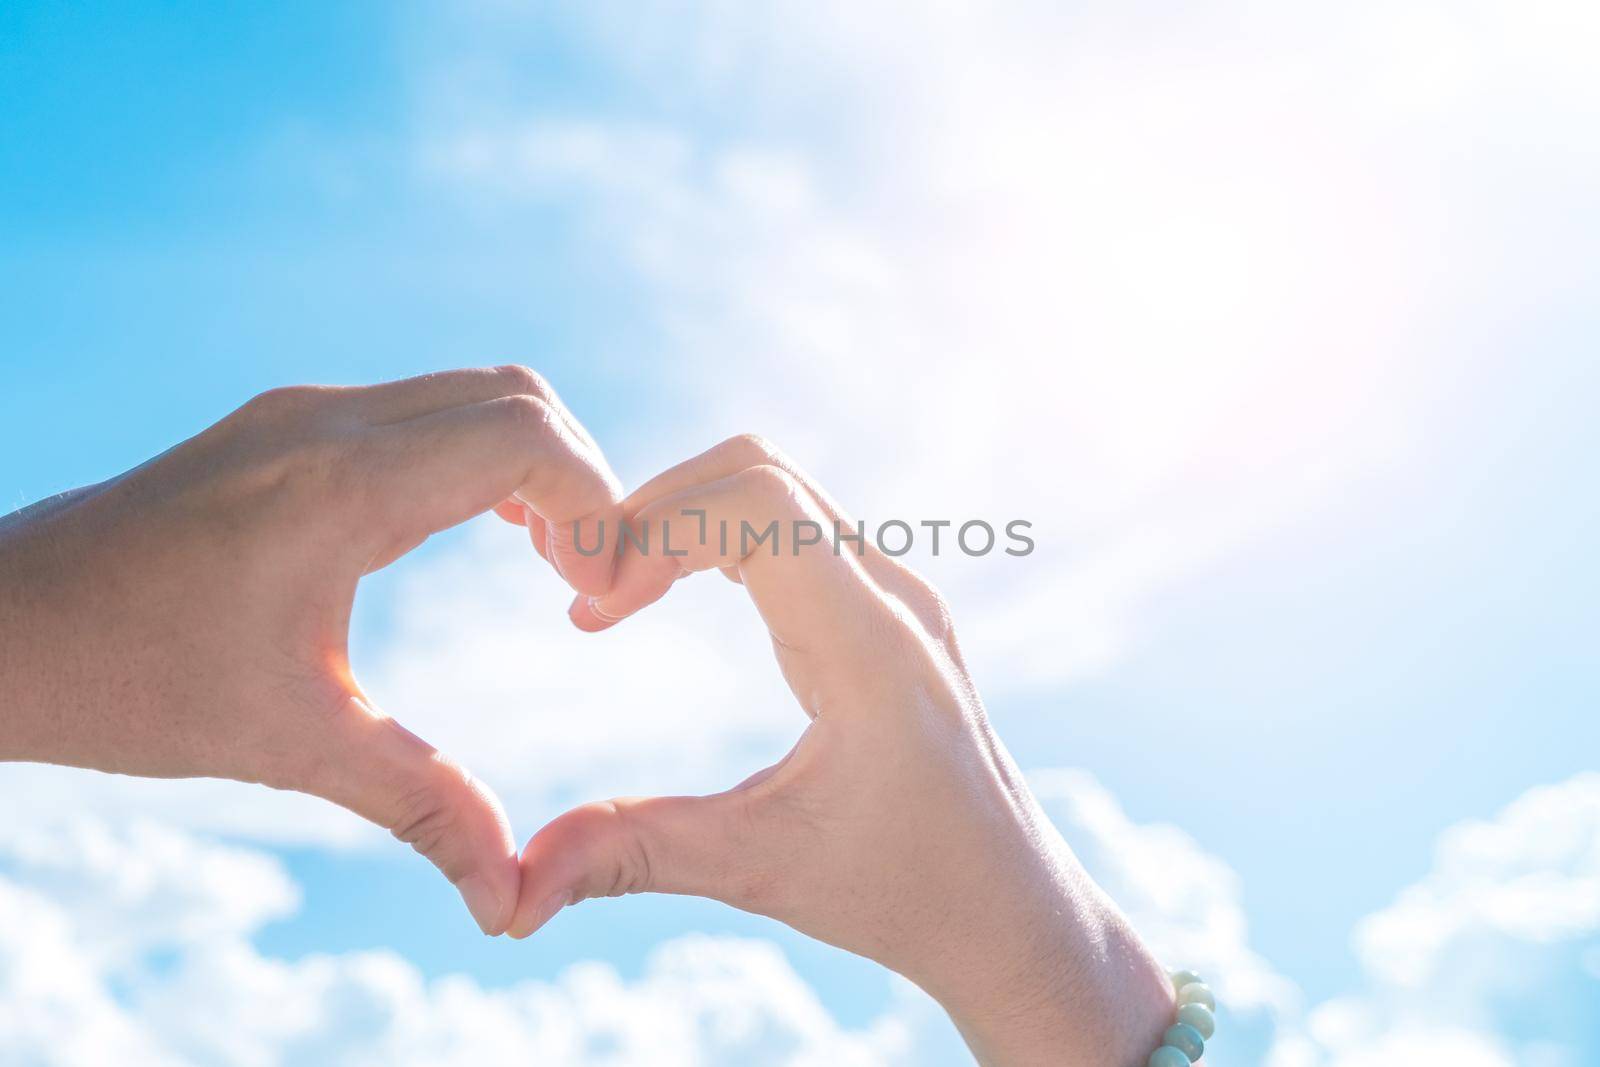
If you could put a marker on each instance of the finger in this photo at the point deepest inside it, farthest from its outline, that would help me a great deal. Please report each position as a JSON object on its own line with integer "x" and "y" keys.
{"x": 538, "y": 531}
{"x": 517, "y": 513}
{"x": 703, "y": 846}
{"x": 763, "y": 522}
{"x": 749, "y": 450}
{"x": 511, "y": 511}
{"x": 411, "y": 398}
{"x": 726, "y": 846}
{"x": 381, "y": 771}
{"x": 432, "y": 472}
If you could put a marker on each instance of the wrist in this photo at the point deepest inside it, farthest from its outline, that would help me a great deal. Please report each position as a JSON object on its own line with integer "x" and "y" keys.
{"x": 1053, "y": 974}
{"x": 1104, "y": 1001}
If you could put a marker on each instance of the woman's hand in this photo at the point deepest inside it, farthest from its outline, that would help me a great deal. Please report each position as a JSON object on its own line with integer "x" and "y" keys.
{"x": 190, "y": 617}
{"x": 898, "y": 826}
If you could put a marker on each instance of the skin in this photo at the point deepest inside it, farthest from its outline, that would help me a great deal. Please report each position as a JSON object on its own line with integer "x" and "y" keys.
{"x": 190, "y": 618}
{"x": 898, "y": 827}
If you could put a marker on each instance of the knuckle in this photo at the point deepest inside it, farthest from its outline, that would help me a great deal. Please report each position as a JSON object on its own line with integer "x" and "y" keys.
{"x": 772, "y": 483}
{"x": 424, "y": 818}
{"x": 633, "y": 867}
{"x": 623, "y": 864}
{"x": 285, "y": 401}
{"x": 902, "y": 627}
{"x": 930, "y": 606}
{"x": 556, "y": 462}
{"x": 530, "y": 414}
{"x": 525, "y": 381}
{"x": 755, "y": 449}
{"x": 750, "y": 450}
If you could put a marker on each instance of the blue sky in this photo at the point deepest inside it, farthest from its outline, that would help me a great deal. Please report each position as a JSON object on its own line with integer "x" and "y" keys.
{"x": 1279, "y": 325}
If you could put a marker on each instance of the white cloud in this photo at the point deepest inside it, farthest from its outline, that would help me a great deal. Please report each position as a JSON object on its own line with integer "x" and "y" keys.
{"x": 131, "y": 942}
{"x": 55, "y": 1008}
{"x": 131, "y": 945}
{"x": 700, "y": 1000}
{"x": 1490, "y": 957}
{"x": 84, "y": 908}
{"x": 1531, "y": 875}
{"x": 144, "y": 885}
{"x": 1162, "y": 293}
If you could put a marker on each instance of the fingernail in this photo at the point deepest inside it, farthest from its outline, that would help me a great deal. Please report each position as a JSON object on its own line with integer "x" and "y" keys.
{"x": 485, "y": 904}
{"x": 585, "y": 613}
{"x": 548, "y": 909}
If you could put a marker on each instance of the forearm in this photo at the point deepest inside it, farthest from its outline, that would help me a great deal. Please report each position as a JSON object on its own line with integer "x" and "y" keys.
{"x": 72, "y": 658}
{"x": 1052, "y": 972}
{"x": 32, "y": 647}
{"x": 1068, "y": 984}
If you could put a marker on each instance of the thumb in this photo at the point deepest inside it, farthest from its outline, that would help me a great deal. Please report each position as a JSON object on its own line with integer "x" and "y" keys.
{"x": 699, "y": 846}
{"x": 390, "y": 776}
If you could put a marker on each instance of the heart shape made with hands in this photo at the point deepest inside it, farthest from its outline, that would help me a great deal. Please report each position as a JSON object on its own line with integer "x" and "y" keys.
{"x": 854, "y": 632}
{"x": 191, "y": 618}
{"x": 195, "y": 613}
{"x": 897, "y": 827}
{"x": 865, "y": 645}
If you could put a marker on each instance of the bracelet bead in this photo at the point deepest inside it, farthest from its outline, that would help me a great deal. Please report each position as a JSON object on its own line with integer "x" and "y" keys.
{"x": 1197, "y": 993}
{"x": 1185, "y": 1040}
{"x": 1183, "y": 978}
{"x": 1198, "y": 1016}
{"x": 1167, "y": 1056}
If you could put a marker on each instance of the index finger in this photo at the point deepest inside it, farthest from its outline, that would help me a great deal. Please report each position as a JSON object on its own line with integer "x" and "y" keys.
{"x": 440, "y": 469}
{"x": 812, "y": 597}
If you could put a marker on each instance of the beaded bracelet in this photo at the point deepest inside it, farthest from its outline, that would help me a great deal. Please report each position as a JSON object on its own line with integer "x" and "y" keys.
{"x": 1185, "y": 1039}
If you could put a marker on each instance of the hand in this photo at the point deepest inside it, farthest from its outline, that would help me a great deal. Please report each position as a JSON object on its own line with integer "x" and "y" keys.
{"x": 898, "y": 827}
{"x": 190, "y": 617}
